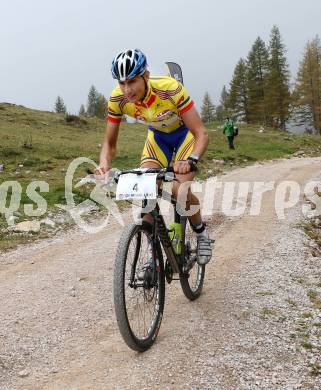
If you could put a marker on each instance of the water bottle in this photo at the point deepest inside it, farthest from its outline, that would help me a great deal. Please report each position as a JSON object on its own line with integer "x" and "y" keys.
{"x": 176, "y": 235}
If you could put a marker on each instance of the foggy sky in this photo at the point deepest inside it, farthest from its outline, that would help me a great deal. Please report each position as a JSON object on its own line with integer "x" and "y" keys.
{"x": 63, "y": 47}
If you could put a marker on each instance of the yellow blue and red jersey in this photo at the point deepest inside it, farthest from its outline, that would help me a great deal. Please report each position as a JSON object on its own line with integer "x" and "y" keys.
{"x": 166, "y": 99}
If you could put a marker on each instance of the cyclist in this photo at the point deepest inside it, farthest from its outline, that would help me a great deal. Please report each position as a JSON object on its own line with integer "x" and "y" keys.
{"x": 174, "y": 125}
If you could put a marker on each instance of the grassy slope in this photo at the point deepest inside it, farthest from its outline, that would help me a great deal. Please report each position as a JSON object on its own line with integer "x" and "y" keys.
{"x": 56, "y": 144}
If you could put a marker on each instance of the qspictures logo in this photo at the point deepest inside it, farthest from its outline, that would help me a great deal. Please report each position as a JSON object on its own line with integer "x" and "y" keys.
{"x": 233, "y": 199}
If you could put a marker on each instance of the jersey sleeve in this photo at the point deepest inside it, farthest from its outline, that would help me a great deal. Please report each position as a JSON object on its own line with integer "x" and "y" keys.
{"x": 180, "y": 96}
{"x": 114, "y": 113}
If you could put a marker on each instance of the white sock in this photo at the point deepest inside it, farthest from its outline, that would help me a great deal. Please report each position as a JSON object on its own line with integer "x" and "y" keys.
{"x": 204, "y": 233}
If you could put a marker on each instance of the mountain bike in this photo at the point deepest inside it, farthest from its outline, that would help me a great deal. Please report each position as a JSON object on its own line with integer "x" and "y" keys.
{"x": 140, "y": 270}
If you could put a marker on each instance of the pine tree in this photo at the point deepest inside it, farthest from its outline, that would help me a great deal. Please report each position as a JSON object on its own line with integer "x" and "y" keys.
{"x": 219, "y": 115}
{"x": 207, "y": 109}
{"x": 307, "y": 92}
{"x": 101, "y": 107}
{"x": 277, "y": 81}
{"x": 238, "y": 96}
{"x": 82, "y": 110}
{"x": 60, "y": 107}
{"x": 224, "y": 103}
{"x": 92, "y": 103}
{"x": 257, "y": 64}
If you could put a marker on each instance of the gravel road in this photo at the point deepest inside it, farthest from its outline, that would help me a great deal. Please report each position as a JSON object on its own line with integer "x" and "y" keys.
{"x": 257, "y": 324}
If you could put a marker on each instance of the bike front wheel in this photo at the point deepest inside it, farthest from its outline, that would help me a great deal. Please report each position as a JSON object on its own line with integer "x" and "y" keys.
{"x": 192, "y": 279}
{"x": 139, "y": 288}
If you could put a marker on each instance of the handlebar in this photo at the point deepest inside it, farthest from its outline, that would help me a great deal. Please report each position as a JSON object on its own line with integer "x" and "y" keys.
{"x": 108, "y": 184}
{"x": 161, "y": 172}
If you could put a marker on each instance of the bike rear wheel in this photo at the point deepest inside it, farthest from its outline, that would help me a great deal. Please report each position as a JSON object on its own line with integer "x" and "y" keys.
{"x": 192, "y": 279}
{"x": 139, "y": 288}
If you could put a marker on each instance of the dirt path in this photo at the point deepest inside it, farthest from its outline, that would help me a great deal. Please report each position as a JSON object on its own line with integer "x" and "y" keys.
{"x": 57, "y": 325}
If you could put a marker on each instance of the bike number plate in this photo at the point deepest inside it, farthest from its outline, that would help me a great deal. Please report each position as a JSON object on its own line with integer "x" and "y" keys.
{"x": 132, "y": 186}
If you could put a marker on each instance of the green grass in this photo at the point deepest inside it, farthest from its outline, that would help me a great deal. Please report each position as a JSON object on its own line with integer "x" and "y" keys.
{"x": 307, "y": 314}
{"x": 268, "y": 312}
{"x": 265, "y": 293}
{"x": 313, "y": 231}
{"x": 315, "y": 369}
{"x": 317, "y": 303}
{"x": 55, "y": 144}
{"x": 254, "y": 146}
{"x": 299, "y": 279}
{"x": 312, "y": 294}
{"x": 307, "y": 345}
{"x": 292, "y": 303}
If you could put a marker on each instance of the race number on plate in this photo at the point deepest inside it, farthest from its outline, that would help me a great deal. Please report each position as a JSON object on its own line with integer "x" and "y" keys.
{"x": 132, "y": 186}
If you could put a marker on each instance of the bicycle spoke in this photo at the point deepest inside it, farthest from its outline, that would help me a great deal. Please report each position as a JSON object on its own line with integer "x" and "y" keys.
{"x": 140, "y": 302}
{"x": 192, "y": 282}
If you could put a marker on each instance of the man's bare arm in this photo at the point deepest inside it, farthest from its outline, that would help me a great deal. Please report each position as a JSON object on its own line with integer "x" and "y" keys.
{"x": 109, "y": 147}
{"x": 195, "y": 125}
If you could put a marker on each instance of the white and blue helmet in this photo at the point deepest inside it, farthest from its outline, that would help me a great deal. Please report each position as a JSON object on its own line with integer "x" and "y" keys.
{"x": 128, "y": 64}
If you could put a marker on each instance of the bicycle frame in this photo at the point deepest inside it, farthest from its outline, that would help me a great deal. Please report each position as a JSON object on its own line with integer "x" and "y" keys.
{"x": 160, "y": 230}
{"x": 159, "y": 226}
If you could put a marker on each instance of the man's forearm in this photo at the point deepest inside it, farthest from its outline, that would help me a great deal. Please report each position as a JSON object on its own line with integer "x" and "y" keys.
{"x": 201, "y": 144}
{"x": 107, "y": 152}
{"x": 108, "y": 149}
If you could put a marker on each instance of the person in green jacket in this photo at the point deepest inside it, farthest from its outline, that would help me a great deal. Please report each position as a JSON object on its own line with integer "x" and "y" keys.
{"x": 228, "y": 130}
